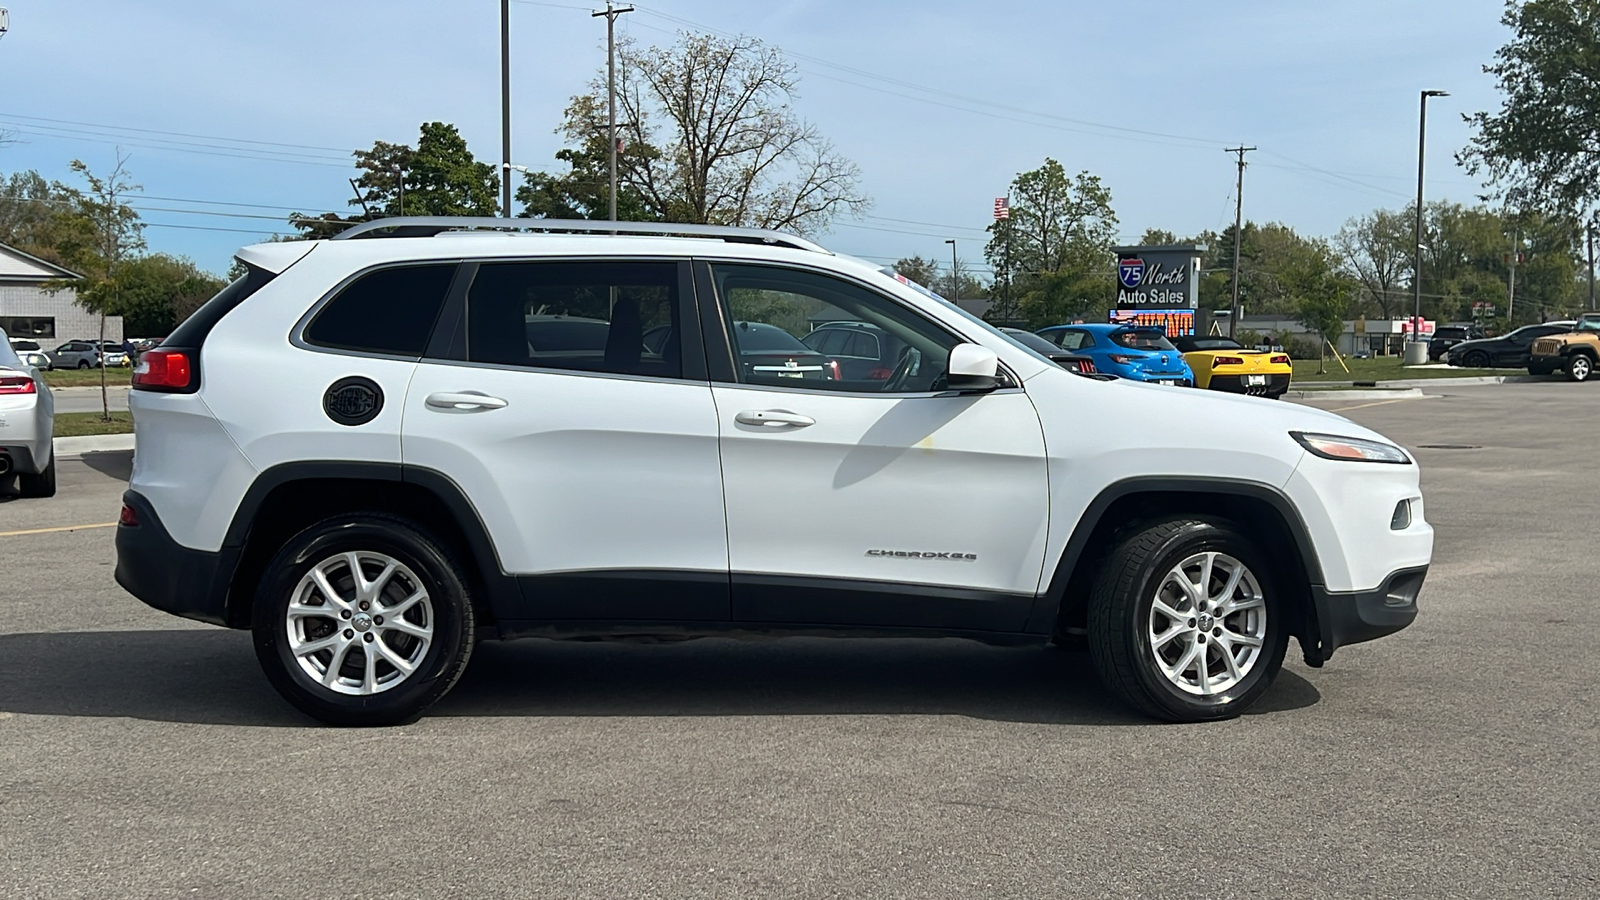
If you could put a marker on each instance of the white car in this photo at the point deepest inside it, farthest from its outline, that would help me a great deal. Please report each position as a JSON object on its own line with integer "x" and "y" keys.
{"x": 31, "y": 353}
{"x": 424, "y": 468}
{"x": 27, "y": 423}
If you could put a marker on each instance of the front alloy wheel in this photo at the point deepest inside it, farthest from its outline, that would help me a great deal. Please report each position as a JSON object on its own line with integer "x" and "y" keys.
{"x": 1185, "y": 623}
{"x": 1580, "y": 367}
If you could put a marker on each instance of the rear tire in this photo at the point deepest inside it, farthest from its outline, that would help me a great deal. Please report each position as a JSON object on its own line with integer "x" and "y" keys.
{"x": 339, "y": 659}
{"x": 1579, "y": 367}
{"x": 1167, "y": 650}
{"x": 1477, "y": 359}
{"x": 40, "y": 485}
{"x": 83, "y": 364}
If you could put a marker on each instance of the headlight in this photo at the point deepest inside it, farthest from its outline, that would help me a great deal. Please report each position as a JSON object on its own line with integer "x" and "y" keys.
{"x": 1332, "y": 446}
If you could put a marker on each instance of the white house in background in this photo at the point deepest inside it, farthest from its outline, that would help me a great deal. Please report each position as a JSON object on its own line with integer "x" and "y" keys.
{"x": 27, "y": 310}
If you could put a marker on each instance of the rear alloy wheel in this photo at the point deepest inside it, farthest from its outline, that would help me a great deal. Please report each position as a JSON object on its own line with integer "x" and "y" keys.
{"x": 1185, "y": 623}
{"x": 83, "y": 364}
{"x": 1477, "y": 359}
{"x": 40, "y": 485}
{"x": 363, "y": 620}
{"x": 1579, "y": 367}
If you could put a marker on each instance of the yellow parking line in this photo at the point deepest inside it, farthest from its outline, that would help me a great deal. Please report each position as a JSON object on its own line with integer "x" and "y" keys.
{"x": 62, "y": 528}
{"x": 1373, "y": 403}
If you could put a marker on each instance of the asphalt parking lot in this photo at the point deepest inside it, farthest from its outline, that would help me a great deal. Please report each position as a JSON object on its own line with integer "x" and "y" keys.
{"x": 143, "y": 756}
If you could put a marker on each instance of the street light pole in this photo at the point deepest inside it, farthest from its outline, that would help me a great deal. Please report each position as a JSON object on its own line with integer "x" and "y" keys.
{"x": 955, "y": 285}
{"x": 1238, "y": 223}
{"x": 611, "y": 14}
{"x": 1416, "y": 269}
{"x": 505, "y": 108}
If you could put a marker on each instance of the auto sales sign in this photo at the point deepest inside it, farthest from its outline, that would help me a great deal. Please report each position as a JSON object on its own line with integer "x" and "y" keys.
{"x": 1164, "y": 277}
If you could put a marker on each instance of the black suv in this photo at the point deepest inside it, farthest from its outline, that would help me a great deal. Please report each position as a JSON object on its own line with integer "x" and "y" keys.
{"x": 1448, "y": 336}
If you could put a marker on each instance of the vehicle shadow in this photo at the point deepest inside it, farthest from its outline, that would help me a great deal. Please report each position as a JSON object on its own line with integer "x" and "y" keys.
{"x": 117, "y": 464}
{"x": 211, "y": 677}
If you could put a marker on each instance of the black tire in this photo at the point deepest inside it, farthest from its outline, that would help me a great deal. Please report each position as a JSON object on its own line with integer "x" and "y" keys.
{"x": 40, "y": 485}
{"x": 83, "y": 364}
{"x": 1477, "y": 359}
{"x": 1541, "y": 368}
{"x": 435, "y": 569}
{"x": 1120, "y": 604}
{"x": 1580, "y": 367}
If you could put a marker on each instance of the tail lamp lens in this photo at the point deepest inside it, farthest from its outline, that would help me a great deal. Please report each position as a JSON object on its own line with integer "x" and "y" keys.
{"x": 1280, "y": 360}
{"x": 128, "y": 517}
{"x": 1123, "y": 358}
{"x": 17, "y": 385}
{"x": 1217, "y": 361}
{"x": 163, "y": 369}
{"x": 833, "y": 370}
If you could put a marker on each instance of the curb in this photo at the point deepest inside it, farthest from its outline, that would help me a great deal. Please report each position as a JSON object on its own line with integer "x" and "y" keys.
{"x": 1445, "y": 381}
{"x": 1381, "y": 394}
{"x": 73, "y": 447}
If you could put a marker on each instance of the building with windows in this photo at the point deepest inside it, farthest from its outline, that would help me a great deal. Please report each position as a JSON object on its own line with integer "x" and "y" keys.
{"x": 28, "y": 310}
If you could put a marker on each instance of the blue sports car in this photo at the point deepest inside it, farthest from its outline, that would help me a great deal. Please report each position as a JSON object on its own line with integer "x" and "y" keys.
{"x": 1139, "y": 352}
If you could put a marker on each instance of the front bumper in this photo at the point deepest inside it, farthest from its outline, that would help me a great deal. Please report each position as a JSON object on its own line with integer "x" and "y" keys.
{"x": 1356, "y": 616}
{"x": 169, "y": 576}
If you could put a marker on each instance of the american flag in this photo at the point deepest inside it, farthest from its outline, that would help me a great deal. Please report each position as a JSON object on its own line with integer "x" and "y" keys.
{"x": 1002, "y": 207}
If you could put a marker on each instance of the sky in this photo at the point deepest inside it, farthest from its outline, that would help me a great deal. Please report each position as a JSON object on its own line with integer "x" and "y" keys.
{"x": 234, "y": 114}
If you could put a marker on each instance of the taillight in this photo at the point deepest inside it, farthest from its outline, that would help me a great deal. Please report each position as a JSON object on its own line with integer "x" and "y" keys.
{"x": 1280, "y": 360}
{"x": 17, "y": 385}
{"x": 1124, "y": 359}
{"x": 128, "y": 517}
{"x": 833, "y": 370}
{"x": 1226, "y": 361}
{"x": 163, "y": 370}
{"x": 1086, "y": 365}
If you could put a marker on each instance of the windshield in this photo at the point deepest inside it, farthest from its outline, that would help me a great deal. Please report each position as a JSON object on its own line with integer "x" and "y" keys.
{"x": 1142, "y": 339}
{"x": 1191, "y": 344}
{"x": 762, "y": 338}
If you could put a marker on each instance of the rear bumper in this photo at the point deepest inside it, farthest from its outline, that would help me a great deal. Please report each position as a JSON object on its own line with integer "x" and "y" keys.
{"x": 1356, "y": 616}
{"x": 21, "y": 458}
{"x": 167, "y": 575}
{"x": 1234, "y": 384}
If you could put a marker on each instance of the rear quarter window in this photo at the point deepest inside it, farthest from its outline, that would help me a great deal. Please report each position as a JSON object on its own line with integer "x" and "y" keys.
{"x": 390, "y": 311}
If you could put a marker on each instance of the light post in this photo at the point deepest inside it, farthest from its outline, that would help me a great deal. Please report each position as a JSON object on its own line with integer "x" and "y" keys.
{"x": 1417, "y": 350}
{"x": 955, "y": 285}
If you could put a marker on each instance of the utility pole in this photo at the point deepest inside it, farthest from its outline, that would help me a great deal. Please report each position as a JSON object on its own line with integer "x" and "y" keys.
{"x": 955, "y": 283}
{"x": 1238, "y": 224}
{"x": 1511, "y": 289}
{"x": 505, "y": 108}
{"x": 611, "y": 13}
{"x": 1416, "y": 270}
{"x": 1588, "y": 233}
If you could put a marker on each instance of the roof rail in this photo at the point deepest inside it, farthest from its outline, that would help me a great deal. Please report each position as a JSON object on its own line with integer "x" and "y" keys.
{"x": 428, "y": 226}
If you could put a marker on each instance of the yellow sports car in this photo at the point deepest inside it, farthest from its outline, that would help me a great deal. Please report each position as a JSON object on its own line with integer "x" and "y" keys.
{"x": 1224, "y": 364}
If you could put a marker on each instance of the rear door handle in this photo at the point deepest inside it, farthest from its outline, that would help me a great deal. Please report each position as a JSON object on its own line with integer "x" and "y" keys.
{"x": 464, "y": 400}
{"x": 773, "y": 417}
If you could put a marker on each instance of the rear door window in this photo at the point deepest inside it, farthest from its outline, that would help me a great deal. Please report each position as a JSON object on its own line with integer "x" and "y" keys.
{"x": 389, "y": 311}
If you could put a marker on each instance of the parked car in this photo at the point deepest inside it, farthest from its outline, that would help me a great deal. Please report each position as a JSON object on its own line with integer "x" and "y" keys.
{"x": 1509, "y": 351}
{"x": 1224, "y": 364}
{"x": 1136, "y": 352}
{"x": 74, "y": 355}
{"x": 1576, "y": 352}
{"x": 30, "y": 353}
{"x": 770, "y": 355}
{"x": 864, "y": 352}
{"x": 27, "y": 423}
{"x": 113, "y": 354}
{"x": 1072, "y": 362}
{"x": 413, "y": 477}
{"x": 1447, "y": 336}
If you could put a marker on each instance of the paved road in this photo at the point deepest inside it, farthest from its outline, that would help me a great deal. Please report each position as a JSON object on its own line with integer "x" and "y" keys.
{"x": 87, "y": 399}
{"x": 141, "y": 756}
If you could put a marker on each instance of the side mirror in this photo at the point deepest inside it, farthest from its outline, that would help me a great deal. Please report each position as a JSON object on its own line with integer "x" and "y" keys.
{"x": 973, "y": 369}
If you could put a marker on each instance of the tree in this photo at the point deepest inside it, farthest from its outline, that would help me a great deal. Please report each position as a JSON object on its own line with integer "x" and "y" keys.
{"x": 583, "y": 192}
{"x": 113, "y": 231}
{"x": 1052, "y": 255}
{"x": 1320, "y": 294}
{"x": 923, "y": 271}
{"x": 1538, "y": 150}
{"x": 724, "y": 145}
{"x": 439, "y": 177}
{"x": 1373, "y": 249}
{"x": 38, "y": 217}
{"x": 158, "y": 291}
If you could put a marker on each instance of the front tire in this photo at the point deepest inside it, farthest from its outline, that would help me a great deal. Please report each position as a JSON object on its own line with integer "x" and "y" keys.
{"x": 363, "y": 619}
{"x": 40, "y": 485}
{"x": 1579, "y": 367}
{"x": 1477, "y": 359}
{"x": 1186, "y": 622}
{"x": 1535, "y": 368}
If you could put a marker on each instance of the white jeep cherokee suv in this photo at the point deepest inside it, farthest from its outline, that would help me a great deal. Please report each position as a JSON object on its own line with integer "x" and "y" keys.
{"x": 374, "y": 450}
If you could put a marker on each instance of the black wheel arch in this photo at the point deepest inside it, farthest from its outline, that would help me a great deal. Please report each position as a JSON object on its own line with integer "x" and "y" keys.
{"x": 290, "y": 497}
{"x": 1256, "y": 509}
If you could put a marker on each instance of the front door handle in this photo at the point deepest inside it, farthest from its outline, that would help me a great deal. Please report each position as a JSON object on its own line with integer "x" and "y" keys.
{"x": 464, "y": 400}
{"x": 773, "y": 417}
